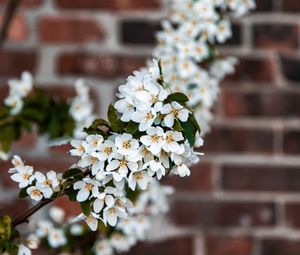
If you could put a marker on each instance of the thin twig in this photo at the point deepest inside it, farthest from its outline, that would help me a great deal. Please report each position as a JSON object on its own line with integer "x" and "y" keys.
{"x": 23, "y": 218}
{"x": 8, "y": 17}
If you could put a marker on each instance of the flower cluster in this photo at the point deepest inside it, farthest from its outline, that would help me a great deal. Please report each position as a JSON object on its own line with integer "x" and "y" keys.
{"x": 34, "y": 183}
{"x": 60, "y": 232}
{"x": 154, "y": 136}
{"x": 81, "y": 108}
{"x": 186, "y": 46}
{"x": 18, "y": 89}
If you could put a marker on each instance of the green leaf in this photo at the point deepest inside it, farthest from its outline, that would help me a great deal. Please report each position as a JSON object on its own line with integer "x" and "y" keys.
{"x": 11, "y": 248}
{"x": 71, "y": 172}
{"x": 86, "y": 207}
{"x": 5, "y": 227}
{"x": 23, "y": 193}
{"x": 72, "y": 194}
{"x": 193, "y": 120}
{"x": 132, "y": 127}
{"x": 177, "y": 126}
{"x": 189, "y": 132}
{"x": 178, "y": 97}
{"x": 100, "y": 123}
{"x": 116, "y": 124}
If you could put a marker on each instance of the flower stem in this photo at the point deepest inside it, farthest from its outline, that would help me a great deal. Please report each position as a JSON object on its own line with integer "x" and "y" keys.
{"x": 8, "y": 17}
{"x": 23, "y": 218}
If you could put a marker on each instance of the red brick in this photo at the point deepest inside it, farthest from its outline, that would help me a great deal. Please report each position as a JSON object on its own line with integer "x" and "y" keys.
{"x": 18, "y": 31}
{"x": 13, "y": 208}
{"x": 72, "y": 209}
{"x": 261, "y": 178}
{"x": 16, "y": 62}
{"x": 291, "y": 213}
{"x": 276, "y": 36}
{"x": 280, "y": 247}
{"x": 264, "y": 5}
{"x": 201, "y": 179}
{"x": 216, "y": 245}
{"x": 69, "y": 30}
{"x": 112, "y": 5}
{"x": 224, "y": 139}
{"x": 252, "y": 69}
{"x": 291, "y": 141}
{"x": 290, "y": 67}
{"x": 290, "y": 6}
{"x": 260, "y": 104}
{"x": 25, "y": 4}
{"x": 27, "y": 141}
{"x": 222, "y": 214}
{"x": 138, "y": 32}
{"x": 174, "y": 246}
{"x": 98, "y": 65}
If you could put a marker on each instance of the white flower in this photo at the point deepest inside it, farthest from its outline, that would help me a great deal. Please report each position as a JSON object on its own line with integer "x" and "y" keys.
{"x": 120, "y": 166}
{"x": 171, "y": 144}
{"x": 24, "y": 176}
{"x": 57, "y": 238}
{"x": 90, "y": 161}
{"x": 78, "y": 148}
{"x": 101, "y": 200}
{"x": 17, "y": 162}
{"x": 182, "y": 170}
{"x": 80, "y": 109}
{"x": 155, "y": 167}
{"x": 23, "y": 250}
{"x": 86, "y": 187}
{"x": 105, "y": 151}
{"x": 92, "y": 221}
{"x": 15, "y": 102}
{"x": 38, "y": 193}
{"x": 121, "y": 242}
{"x": 126, "y": 107}
{"x": 4, "y": 155}
{"x": 139, "y": 177}
{"x": 154, "y": 140}
{"x": 112, "y": 213}
{"x": 103, "y": 247}
{"x": 43, "y": 228}
{"x": 174, "y": 111}
{"x": 76, "y": 229}
{"x": 92, "y": 142}
{"x": 145, "y": 118}
{"x": 51, "y": 180}
{"x": 126, "y": 145}
{"x": 33, "y": 241}
{"x": 21, "y": 87}
{"x": 57, "y": 214}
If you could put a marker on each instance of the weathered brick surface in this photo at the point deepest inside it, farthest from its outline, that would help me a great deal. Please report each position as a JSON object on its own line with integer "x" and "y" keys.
{"x": 243, "y": 198}
{"x": 216, "y": 245}
{"x": 261, "y": 178}
{"x": 222, "y": 214}
{"x": 69, "y": 30}
{"x": 112, "y": 5}
{"x": 280, "y": 247}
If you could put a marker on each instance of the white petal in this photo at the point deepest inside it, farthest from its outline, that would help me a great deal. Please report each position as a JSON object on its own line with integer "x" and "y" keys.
{"x": 98, "y": 205}
{"x": 109, "y": 200}
{"x": 82, "y": 195}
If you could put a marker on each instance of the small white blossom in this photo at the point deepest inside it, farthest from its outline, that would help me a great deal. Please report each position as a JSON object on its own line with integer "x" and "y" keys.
{"x": 174, "y": 111}
{"x": 86, "y": 188}
{"x": 126, "y": 145}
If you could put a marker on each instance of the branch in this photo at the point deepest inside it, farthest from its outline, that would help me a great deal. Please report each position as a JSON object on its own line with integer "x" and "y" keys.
{"x": 23, "y": 218}
{"x": 8, "y": 17}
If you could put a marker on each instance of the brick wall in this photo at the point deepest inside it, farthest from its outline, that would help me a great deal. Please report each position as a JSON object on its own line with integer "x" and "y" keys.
{"x": 244, "y": 198}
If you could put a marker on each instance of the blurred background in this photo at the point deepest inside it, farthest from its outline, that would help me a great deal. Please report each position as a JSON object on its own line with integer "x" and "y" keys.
{"x": 244, "y": 197}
